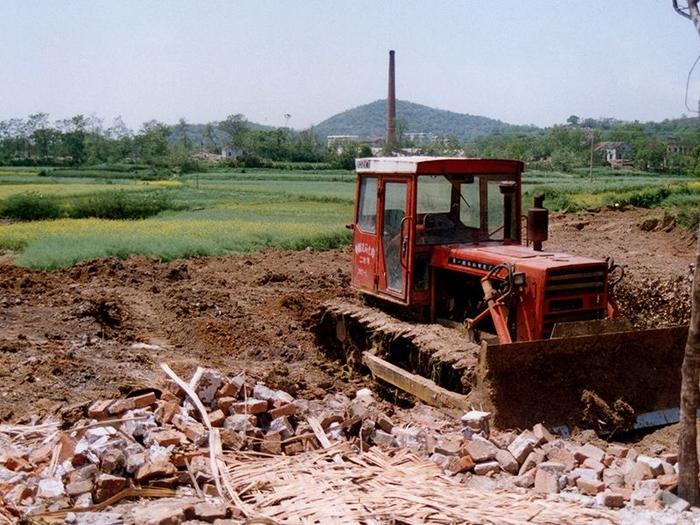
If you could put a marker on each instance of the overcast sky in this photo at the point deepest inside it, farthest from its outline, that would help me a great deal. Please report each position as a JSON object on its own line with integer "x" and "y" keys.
{"x": 534, "y": 61}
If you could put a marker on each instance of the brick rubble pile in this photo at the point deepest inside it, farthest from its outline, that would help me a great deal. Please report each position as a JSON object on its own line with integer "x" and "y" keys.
{"x": 157, "y": 440}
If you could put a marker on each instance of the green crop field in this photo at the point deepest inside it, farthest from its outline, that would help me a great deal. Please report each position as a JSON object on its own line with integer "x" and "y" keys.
{"x": 87, "y": 214}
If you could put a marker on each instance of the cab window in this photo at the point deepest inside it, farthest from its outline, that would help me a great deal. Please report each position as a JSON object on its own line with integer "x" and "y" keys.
{"x": 367, "y": 210}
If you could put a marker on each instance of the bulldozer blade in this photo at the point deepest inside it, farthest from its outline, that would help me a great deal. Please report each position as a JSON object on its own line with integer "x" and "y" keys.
{"x": 607, "y": 381}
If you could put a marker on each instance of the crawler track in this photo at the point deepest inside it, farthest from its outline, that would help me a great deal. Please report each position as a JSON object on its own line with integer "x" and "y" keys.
{"x": 444, "y": 355}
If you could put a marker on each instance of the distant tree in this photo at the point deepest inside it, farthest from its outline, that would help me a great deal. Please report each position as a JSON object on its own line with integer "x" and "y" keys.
{"x": 236, "y": 127}
{"x": 209, "y": 137}
{"x": 573, "y": 120}
{"x": 185, "y": 140}
{"x": 152, "y": 140}
{"x": 74, "y": 139}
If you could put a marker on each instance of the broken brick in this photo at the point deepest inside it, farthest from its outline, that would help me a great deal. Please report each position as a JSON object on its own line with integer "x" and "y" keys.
{"x": 294, "y": 448}
{"x": 149, "y": 471}
{"x": 209, "y": 512}
{"x": 145, "y": 400}
{"x": 99, "y": 409}
{"x": 590, "y": 486}
{"x": 79, "y": 487}
{"x": 107, "y": 486}
{"x": 217, "y": 418}
{"x": 164, "y": 438}
{"x": 112, "y": 461}
{"x": 250, "y": 406}
{"x": 121, "y": 405}
{"x": 284, "y": 410}
{"x": 458, "y": 465}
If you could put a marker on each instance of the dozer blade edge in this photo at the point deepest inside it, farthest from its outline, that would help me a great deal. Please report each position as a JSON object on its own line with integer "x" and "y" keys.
{"x": 609, "y": 382}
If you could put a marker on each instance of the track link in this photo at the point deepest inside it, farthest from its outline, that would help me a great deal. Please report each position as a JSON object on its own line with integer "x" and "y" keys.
{"x": 443, "y": 355}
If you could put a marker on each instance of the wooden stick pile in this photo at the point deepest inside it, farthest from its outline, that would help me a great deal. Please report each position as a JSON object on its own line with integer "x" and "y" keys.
{"x": 374, "y": 487}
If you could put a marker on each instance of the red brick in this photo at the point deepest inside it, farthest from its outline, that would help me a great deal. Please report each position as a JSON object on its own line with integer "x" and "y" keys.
{"x": 590, "y": 486}
{"x": 67, "y": 447}
{"x": 107, "y": 486}
{"x": 99, "y": 409}
{"x": 150, "y": 471}
{"x": 293, "y": 448}
{"x": 284, "y": 410}
{"x": 166, "y": 411}
{"x": 458, "y": 465}
{"x": 121, "y": 406}
{"x": 79, "y": 487}
{"x": 165, "y": 438}
{"x": 272, "y": 444}
{"x": 251, "y": 406}
{"x": 224, "y": 403}
{"x": 209, "y": 511}
{"x": 228, "y": 390}
{"x": 17, "y": 463}
{"x": 145, "y": 400}
{"x": 112, "y": 461}
{"x": 180, "y": 459}
{"x": 668, "y": 481}
{"x": 217, "y": 418}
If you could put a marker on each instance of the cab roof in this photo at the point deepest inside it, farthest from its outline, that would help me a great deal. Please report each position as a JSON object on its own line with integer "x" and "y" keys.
{"x": 436, "y": 165}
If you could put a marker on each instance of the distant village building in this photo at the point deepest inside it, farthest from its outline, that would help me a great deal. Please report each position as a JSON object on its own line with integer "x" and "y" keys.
{"x": 230, "y": 153}
{"x": 421, "y": 138}
{"x": 675, "y": 147}
{"x": 616, "y": 154}
{"x": 338, "y": 142}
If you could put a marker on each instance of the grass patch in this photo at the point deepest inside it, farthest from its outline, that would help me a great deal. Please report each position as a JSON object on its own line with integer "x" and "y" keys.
{"x": 238, "y": 210}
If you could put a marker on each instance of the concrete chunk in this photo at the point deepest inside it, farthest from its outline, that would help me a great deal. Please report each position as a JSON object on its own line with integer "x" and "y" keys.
{"x": 481, "y": 449}
{"x": 547, "y": 477}
{"x": 483, "y": 469}
{"x": 507, "y": 461}
{"x": 522, "y": 446}
{"x": 670, "y": 500}
{"x": 589, "y": 451}
{"x": 533, "y": 459}
{"x": 655, "y": 464}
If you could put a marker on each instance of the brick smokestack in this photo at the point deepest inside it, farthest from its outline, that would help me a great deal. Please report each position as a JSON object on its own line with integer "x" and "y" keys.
{"x": 391, "y": 107}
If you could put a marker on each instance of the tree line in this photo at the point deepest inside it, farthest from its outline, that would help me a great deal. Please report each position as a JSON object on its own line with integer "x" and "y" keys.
{"x": 87, "y": 140}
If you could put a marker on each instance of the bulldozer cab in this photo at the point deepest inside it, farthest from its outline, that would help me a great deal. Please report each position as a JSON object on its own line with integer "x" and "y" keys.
{"x": 407, "y": 206}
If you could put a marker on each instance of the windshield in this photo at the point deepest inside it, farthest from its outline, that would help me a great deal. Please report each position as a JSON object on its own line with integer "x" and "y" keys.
{"x": 459, "y": 209}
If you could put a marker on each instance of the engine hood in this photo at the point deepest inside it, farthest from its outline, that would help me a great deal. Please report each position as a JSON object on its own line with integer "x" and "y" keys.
{"x": 484, "y": 257}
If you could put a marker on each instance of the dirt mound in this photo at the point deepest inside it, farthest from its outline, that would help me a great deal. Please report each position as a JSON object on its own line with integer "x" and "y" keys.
{"x": 79, "y": 333}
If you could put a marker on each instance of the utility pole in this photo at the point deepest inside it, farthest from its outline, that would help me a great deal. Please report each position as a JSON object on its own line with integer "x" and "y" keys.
{"x": 590, "y": 164}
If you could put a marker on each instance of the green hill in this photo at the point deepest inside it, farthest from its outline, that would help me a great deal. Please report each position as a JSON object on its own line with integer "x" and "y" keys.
{"x": 370, "y": 120}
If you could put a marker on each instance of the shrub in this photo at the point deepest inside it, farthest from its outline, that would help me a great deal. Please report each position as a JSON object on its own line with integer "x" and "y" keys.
{"x": 30, "y": 206}
{"x": 120, "y": 205}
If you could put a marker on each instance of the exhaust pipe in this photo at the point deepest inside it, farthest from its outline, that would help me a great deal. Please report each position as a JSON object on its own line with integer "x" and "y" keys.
{"x": 538, "y": 223}
{"x": 508, "y": 191}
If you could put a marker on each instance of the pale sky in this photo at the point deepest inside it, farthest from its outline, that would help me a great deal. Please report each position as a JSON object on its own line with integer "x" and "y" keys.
{"x": 534, "y": 61}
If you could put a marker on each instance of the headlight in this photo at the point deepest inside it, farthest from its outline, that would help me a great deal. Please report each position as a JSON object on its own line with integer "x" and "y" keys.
{"x": 519, "y": 279}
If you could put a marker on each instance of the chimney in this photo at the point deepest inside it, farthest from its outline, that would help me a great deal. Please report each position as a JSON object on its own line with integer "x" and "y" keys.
{"x": 391, "y": 107}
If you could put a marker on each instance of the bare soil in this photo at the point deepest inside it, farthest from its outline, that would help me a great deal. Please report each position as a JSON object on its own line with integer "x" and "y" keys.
{"x": 68, "y": 335}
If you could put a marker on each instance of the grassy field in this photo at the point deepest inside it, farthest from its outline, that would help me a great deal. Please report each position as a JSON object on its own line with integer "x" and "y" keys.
{"x": 242, "y": 210}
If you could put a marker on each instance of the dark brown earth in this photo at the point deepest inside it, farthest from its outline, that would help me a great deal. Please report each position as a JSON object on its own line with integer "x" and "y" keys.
{"x": 67, "y": 335}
